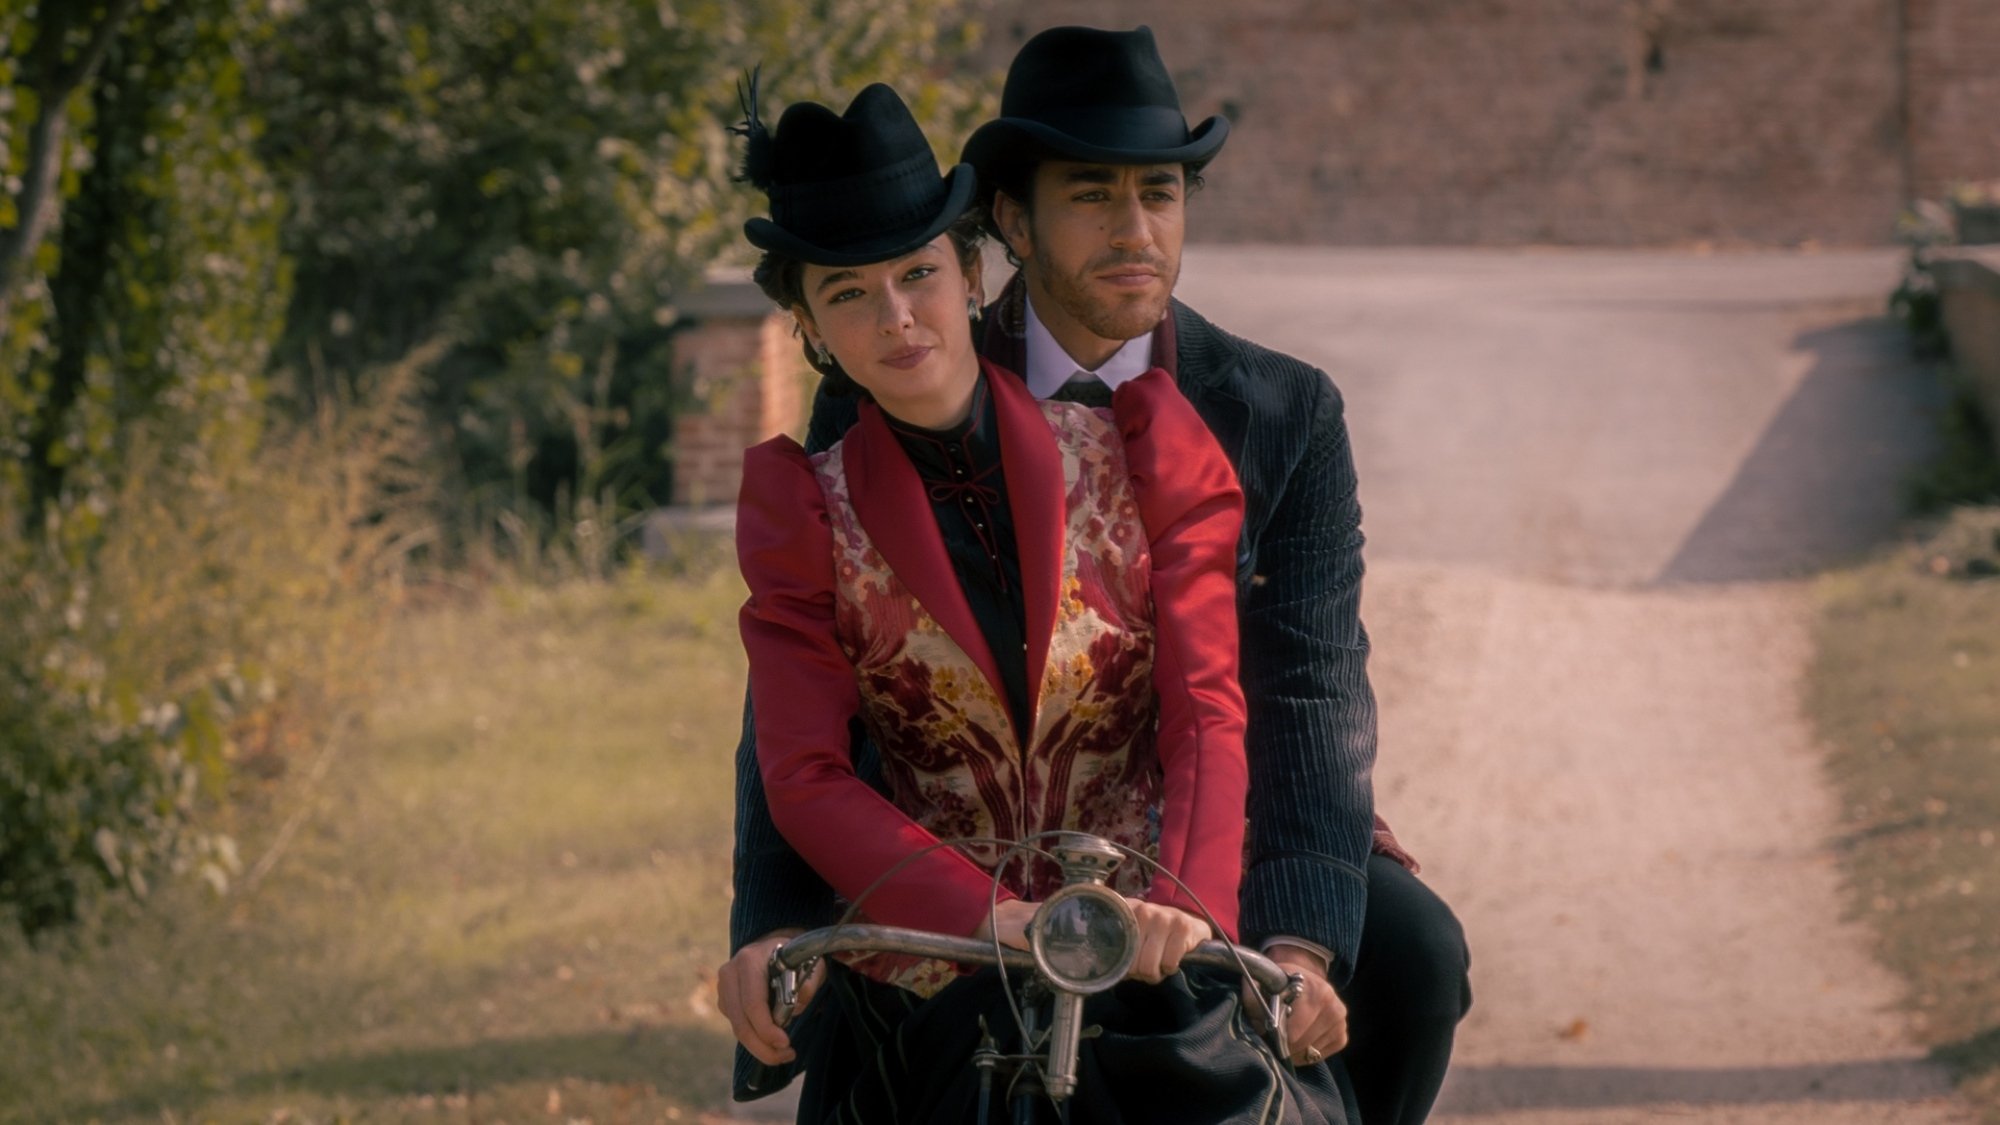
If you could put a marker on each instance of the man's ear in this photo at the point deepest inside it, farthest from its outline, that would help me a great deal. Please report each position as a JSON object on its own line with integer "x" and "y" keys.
{"x": 1011, "y": 217}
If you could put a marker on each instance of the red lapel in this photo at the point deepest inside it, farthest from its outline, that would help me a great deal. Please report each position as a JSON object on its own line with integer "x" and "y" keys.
{"x": 893, "y": 507}
{"x": 890, "y": 501}
{"x": 1040, "y": 506}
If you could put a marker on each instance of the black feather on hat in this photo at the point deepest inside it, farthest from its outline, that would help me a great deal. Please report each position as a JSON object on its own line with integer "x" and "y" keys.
{"x": 756, "y": 169}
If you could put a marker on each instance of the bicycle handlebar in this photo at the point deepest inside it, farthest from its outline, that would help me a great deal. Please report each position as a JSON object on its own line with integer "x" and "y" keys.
{"x": 800, "y": 951}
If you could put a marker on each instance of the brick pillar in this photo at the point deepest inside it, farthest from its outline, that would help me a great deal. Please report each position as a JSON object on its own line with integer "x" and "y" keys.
{"x": 740, "y": 369}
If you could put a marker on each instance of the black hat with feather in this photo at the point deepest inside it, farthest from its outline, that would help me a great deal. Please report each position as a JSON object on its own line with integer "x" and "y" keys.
{"x": 852, "y": 188}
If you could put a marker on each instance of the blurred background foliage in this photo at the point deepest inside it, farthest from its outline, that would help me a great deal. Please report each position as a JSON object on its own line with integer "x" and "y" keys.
{"x": 536, "y": 182}
{"x": 295, "y": 294}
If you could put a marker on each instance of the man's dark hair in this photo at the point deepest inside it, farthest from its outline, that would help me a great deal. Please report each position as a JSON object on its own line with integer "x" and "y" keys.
{"x": 1016, "y": 177}
{"x": 782, "y": 278}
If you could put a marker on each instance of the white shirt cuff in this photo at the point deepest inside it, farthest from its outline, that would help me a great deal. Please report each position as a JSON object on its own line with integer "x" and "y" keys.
{"x": 1325, "y": 956}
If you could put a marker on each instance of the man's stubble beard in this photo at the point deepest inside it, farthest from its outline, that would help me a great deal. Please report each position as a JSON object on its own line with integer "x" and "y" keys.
{"x": 1116, "y": 319}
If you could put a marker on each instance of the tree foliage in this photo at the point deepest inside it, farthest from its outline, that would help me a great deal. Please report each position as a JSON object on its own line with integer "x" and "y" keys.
{"x": 539, "y": 182}
{"x": 221, "y": 221}
{"x": 167, "y": 609}
{"x": 135, "y": 352}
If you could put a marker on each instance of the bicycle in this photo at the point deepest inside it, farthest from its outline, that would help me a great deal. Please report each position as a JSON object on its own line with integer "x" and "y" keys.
{"x": 1082, "y": 940}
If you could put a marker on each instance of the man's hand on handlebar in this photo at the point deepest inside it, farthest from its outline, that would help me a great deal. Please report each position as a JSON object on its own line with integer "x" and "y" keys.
{"x": 743, "y": 993}
{"x": 1317, "y": 1027}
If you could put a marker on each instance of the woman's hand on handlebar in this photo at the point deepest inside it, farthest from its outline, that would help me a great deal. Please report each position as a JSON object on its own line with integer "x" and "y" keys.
{"x": 1010, "y": 918}
{"x": 1166, "y": 934}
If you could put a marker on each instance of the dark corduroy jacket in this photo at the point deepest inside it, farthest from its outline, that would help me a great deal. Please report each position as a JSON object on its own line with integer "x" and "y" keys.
{"x": 1311, "y": 737}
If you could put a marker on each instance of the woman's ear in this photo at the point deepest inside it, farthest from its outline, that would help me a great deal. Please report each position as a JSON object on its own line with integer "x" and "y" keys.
{"x": 975, "y": 281}
{"x": 802, "y": 323}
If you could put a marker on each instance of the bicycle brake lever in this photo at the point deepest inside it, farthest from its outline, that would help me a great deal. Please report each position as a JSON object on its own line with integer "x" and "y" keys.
{"x": 1281, "y": 1009}
{"x": 784, "y": 986}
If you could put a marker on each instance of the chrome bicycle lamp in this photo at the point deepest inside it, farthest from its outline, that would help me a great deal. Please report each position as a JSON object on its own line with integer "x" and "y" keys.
{"x": 1084, "y": 938}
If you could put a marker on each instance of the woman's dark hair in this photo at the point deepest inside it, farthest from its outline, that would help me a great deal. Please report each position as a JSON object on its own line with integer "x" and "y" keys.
{"x": 782, "y": 279}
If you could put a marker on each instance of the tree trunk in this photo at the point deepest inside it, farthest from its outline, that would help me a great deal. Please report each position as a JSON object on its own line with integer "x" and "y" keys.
{"x": 36, "y": 207}
{"x": 38, "y": 203}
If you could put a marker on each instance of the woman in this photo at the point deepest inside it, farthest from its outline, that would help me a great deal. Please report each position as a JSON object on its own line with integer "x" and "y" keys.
{"x": 1031, "y": 609}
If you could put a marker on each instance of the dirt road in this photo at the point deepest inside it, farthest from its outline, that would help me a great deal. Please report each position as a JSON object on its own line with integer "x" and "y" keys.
{"x": 1595, "y": 485}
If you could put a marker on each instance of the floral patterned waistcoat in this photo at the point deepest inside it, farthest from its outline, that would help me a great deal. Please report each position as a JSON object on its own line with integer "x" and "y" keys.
{"x": 951, "y": 755}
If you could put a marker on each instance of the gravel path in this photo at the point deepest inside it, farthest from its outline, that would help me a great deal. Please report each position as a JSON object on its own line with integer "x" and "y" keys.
{"x": 1595, "y": 483}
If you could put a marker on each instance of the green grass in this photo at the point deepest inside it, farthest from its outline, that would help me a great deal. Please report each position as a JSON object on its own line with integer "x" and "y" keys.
{"x": 1905, "y": 690}
{"x": 504, "y": 900}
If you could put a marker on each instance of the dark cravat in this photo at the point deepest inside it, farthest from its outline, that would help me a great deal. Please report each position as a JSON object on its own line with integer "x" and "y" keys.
{"x": 1088, "y": 390}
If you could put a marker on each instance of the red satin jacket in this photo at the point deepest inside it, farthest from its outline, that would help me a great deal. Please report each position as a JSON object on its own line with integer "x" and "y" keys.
{"x": 1127, "y": 524}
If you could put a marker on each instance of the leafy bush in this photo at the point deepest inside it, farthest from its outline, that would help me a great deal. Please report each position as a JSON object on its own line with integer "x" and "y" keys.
{"x": 222, "y": 615}
{"x": 1965, "y": 470}
{"x": 1915, "y": 301}
{"x": 217, "y": 217}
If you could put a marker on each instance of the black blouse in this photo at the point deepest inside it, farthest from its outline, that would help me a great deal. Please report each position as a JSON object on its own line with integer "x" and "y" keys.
{"x": 961, "y": 471}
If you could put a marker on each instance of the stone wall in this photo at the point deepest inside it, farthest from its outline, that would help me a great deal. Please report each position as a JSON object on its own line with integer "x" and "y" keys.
{"x": 1969, "y": 289}
{"x": 1954, "y": 73}
{"x": 1598, "y": 122}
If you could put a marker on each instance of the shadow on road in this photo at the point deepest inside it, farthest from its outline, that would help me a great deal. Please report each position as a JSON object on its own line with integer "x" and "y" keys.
{"x": 1476, "y": 1090}
{"x": 1823, "y": 483}
{"x": 1973, "y": 1056}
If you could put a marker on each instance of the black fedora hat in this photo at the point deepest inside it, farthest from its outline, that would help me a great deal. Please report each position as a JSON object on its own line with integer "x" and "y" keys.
{"x": 1104, "y": 97}
{"x": 852, "y": 188}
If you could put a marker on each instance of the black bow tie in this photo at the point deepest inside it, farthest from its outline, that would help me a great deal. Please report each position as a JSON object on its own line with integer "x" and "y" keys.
{"x": 1089, "y": 392}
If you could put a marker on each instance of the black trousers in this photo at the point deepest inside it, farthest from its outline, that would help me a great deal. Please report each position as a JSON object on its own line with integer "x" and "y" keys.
{"x": 1410, "y": 989}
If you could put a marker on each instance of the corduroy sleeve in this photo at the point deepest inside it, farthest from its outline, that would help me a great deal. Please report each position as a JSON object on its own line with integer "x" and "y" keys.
{"x": 804, "y": 693}
{"x": 1312, "y": 719}
{"x": 1192, "y": 508}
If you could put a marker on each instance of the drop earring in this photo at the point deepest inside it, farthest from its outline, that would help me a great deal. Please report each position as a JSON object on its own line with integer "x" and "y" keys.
{"x": 972, "y": 310}
{"x": 820, "y": 353}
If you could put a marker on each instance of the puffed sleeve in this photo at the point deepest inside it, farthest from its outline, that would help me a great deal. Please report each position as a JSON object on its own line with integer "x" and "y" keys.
{"x": 803, "y": 692}
{"x": 1193, "y": 511}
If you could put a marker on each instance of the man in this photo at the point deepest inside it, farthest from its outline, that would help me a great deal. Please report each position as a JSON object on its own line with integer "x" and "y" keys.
{"x": 1087, "y": 171}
